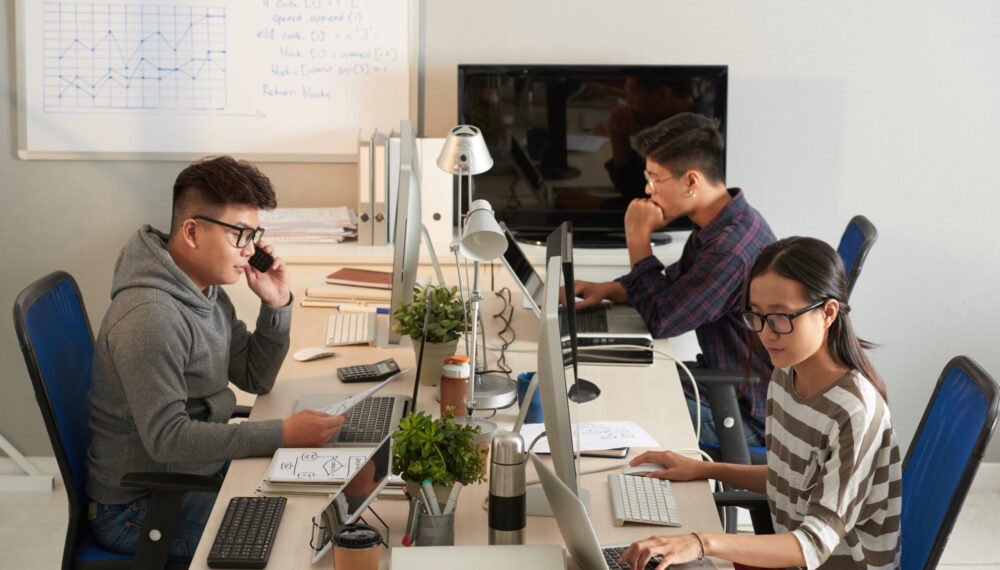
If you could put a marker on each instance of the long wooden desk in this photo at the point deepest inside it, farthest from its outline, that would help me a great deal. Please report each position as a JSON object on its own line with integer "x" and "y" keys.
{"x": 648, "y": 395}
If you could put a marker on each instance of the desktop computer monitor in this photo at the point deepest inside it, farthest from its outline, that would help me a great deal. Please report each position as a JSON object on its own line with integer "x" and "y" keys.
{"x": 552, "y": 382}
{"x": 406, "y": 243}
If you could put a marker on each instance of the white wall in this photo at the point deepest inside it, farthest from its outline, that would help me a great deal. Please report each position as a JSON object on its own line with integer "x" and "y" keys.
{"x": 883, "y": 108}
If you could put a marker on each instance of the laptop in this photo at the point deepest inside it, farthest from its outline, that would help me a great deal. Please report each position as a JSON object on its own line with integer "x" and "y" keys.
{"x": 576, "y": 530}
{"x": 622, "y": 324}
{"x": 368, "y": 423}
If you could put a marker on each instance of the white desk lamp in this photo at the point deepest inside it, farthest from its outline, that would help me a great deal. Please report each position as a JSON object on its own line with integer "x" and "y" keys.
{"x": 464, "y": 154}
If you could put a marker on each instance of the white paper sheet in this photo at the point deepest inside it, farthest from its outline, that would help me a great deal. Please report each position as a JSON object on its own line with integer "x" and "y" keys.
{"x": 596, "y": 435}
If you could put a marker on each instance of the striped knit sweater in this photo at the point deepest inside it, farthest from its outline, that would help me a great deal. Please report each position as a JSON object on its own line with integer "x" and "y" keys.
{"x": 834, "y": 478}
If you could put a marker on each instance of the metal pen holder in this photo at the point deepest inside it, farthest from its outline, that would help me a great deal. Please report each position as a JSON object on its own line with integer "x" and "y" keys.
{"x": 428, "y": 529}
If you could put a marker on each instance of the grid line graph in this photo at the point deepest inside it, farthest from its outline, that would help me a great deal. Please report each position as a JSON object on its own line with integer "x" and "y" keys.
{"x": 133, "y": 57}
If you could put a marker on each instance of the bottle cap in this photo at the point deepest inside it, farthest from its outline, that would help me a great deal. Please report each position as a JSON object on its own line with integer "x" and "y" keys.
{"x": 456, "y": 367}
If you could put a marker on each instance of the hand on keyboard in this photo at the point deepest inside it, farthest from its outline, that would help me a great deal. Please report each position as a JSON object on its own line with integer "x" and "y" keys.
{"x": 309, "y": 428}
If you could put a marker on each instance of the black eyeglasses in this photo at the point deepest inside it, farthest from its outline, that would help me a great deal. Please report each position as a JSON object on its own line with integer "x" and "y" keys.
{"x": 780, "y": 323}
{"x": 245, "y": 237}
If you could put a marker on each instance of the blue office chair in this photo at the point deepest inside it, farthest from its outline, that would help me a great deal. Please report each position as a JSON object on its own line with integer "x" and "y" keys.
{"x": 58, "y": 346}
{"x": 939, "y": 465}
{"x": 722, "y": 385}
{"x": 858, "y": 239}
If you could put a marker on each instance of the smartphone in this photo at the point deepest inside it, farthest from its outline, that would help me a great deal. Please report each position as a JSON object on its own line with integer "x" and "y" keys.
{"x": 261, "y": 260}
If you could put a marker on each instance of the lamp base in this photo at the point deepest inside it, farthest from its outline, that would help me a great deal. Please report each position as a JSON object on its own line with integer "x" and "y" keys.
{"x": 487, "y": 428}
{"x": 493, "y": 391}
{"x": 583, "y": 391}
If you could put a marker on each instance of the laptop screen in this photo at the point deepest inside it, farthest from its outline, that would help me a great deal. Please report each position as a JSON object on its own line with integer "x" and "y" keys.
{"x": 520, "y": 269}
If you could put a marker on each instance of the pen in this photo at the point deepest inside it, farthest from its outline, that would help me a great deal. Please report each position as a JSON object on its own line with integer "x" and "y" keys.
{"x": 452, "y": 498}
{"x": 361, "y": 309}
{"x": 433, "y": 506}
{"x": 412, "y": 523}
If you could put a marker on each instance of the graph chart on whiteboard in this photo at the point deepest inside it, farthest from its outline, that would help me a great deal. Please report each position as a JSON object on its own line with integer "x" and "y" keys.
{"x": 133, "y": 57}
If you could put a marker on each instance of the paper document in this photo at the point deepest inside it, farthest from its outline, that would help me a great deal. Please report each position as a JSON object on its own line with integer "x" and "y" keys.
{"x": 318, "y": 465}
{"x": 596, "y": 435}
{"x": 343, "y": 406}
{"x": 309, "y": 224}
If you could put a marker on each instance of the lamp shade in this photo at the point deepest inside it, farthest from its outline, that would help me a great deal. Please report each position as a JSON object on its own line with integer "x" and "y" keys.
{"x": 465, "y": 152}
{"x": 483, "y": 240}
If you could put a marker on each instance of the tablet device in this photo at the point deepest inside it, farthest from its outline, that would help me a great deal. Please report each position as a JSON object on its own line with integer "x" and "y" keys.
{"x": 356, "y": 494}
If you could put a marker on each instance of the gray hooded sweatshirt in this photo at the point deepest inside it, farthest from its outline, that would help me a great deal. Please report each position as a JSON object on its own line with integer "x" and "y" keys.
{"x": 164, "y": 357}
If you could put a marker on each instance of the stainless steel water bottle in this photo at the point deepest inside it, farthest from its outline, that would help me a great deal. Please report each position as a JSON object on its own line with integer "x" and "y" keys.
{"x": 507, "y": 488}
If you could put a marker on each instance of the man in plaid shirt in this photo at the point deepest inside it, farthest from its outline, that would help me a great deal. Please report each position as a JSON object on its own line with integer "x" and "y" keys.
{"x": 704, "y": 290}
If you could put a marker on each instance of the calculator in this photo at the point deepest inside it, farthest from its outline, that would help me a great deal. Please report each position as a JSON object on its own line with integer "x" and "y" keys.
{"x": 368, "y": 372}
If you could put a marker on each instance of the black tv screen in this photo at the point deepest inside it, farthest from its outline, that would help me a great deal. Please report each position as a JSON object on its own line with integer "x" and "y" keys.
{"x": 559, "y": 137}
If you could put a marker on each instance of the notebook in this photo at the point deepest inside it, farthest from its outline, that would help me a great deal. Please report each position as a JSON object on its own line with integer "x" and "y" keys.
{"x": 624, "y": 324}
{"x": 575, "y": 527}
{"x": 367, "y": 423}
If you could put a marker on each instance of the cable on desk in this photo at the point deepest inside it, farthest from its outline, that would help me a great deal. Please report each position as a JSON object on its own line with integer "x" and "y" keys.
{"x": 506, "y": 314}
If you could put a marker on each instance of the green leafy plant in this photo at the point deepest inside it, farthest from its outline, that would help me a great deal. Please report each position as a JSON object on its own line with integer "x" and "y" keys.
{"x": 441, "y": 450}
{"x": 447, "y": 318}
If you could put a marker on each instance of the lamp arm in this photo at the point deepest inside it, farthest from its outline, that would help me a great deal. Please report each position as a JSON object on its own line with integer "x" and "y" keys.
{"x": 475, "y": 298}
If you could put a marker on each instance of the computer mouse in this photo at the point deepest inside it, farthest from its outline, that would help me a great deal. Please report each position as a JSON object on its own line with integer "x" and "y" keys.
{"x": 643, "y": 468}
{"x": 313, "y": 353}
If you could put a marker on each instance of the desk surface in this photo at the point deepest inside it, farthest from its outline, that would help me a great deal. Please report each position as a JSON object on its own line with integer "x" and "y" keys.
{"x": 650, "y": 396}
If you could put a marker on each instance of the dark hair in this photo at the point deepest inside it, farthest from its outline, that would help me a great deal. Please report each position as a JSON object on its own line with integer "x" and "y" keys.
{"x": 819, "y": 269}
{"x": 218, "y": 182}
{"x": 685, "y": 141}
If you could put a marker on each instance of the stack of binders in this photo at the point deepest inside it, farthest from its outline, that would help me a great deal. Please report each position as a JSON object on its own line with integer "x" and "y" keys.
{"x": 378, "y": 180}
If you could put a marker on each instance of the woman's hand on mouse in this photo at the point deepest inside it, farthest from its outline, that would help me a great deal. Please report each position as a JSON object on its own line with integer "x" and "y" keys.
{"x": 678, "y": 467}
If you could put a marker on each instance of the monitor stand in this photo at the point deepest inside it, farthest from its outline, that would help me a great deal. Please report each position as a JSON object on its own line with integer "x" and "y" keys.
{"x": 537, "y": 504}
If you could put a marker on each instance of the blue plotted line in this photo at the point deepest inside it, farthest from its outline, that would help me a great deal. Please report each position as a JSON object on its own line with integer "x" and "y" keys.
{"x": 122, "y": 56}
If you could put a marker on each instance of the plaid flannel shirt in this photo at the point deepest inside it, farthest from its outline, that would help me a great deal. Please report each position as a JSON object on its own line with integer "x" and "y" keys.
{"x": 704, "y": 290}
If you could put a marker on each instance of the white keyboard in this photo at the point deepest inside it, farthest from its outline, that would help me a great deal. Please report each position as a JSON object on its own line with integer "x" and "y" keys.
{"x": 643, "y": 500}
{"x": 350, "y": 328}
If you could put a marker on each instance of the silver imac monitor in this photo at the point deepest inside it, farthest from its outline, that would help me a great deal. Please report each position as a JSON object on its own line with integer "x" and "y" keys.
{"x": 350, "y": 501}
{"x": 406, "y": 243}
{"x": 552, "y": 390}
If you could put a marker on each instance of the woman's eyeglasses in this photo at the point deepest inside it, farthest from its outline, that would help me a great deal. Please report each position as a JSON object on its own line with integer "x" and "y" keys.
{"x": 780, "y": 323}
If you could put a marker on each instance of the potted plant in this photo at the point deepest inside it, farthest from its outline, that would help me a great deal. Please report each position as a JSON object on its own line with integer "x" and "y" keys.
{"x": 441, "y": 450}
{"x": 445, "y": 325}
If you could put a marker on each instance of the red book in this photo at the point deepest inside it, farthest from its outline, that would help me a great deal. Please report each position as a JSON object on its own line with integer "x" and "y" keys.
{"x": 361, "y": 278}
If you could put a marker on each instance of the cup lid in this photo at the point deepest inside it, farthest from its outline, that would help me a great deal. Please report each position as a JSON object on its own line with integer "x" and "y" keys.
{"x": 356, "y": 536}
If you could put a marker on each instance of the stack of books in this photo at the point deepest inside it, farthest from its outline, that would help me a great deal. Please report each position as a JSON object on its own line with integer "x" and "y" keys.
{"x": 364, "y": 289}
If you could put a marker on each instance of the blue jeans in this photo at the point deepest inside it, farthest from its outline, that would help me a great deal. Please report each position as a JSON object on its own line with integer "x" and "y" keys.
{"x": 117, "y": 527}
{"x": 754, "y": 434}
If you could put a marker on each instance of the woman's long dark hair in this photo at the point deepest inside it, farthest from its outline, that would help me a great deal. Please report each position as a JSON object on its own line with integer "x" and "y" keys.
{"x": 816, "y": 265}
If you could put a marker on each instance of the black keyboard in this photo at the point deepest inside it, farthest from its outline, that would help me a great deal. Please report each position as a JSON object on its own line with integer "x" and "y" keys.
{"x": 247, "y": 532}
{"x": 613, "y": 553}
{"x": 367, "y": 422}
{"x": 589, "y": 320}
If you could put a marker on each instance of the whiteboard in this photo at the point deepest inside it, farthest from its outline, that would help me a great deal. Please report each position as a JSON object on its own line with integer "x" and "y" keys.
{"x": 289, "y": 80}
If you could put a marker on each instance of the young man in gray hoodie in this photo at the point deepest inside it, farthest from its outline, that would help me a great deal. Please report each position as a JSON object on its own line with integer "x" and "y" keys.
{"x": 170, "y": 344}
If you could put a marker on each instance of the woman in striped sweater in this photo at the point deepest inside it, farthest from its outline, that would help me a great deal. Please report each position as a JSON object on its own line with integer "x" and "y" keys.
{"x": 833, "y": 476}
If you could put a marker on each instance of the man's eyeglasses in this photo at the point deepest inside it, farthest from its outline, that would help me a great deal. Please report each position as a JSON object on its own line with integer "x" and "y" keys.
{"x": 780, "y": 323}
{"x": 652, "y": 183}
{"x": 245, "y": 237}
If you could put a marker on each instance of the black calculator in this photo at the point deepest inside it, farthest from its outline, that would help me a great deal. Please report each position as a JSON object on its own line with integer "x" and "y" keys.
{"x": 368, "y": 372}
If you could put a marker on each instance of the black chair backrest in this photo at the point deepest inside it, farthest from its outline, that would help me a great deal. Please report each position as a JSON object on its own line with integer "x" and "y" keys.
{"x": 858, "y": 238}
{"x": 58, "y": 347}
{"x": 943, "y": 458}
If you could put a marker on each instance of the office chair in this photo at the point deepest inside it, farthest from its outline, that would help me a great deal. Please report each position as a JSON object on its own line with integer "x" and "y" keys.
{"x": 58, "y": 347}
{"x": 939, "y": 466}
{"x": 858, "y": 239}
{"x": 722, "y": 385}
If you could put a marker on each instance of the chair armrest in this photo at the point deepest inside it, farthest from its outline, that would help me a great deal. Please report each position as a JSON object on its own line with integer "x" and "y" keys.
{"x": 716, "y": 377}
{"x": 745, "y": 499}
{"x": 172, "y": 482}
{"x": 242, "y": 412}
{"x": 756, "y": 503}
